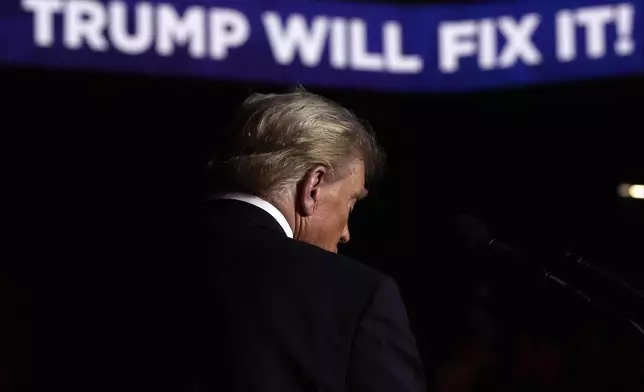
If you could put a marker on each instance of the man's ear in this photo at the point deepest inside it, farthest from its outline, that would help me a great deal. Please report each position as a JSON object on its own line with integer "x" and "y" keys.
{"x": 309, "y": 190}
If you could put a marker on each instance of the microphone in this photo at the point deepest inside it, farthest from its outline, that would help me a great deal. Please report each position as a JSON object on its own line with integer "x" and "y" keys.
{"x": 478, "y": 237}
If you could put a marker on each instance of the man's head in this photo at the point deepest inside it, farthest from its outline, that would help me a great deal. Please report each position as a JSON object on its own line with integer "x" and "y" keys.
{"x": 307, "y": 155}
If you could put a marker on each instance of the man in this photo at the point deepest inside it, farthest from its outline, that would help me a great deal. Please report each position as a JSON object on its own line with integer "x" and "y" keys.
{"x": 279, "y": 309}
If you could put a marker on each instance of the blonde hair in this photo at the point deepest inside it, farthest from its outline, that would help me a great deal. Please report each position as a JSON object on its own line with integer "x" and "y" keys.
{"x": 276, "y": 139}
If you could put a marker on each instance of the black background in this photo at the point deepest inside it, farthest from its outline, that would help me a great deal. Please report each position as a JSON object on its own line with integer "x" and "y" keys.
{"x": 93, "y": 161}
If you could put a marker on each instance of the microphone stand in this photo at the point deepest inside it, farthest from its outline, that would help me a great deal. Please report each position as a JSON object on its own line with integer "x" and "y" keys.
{"x": 477, "y": 235}
{"x": 579, "y": 293}
{"x": 571, "y": 288}
{"x": 607, "y": 276}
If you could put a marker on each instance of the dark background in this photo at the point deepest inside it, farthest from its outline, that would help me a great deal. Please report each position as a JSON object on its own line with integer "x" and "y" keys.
{"x": 95, "y": 161}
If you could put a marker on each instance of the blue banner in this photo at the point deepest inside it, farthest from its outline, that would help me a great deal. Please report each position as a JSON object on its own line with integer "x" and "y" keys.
{"x": 385, "y": 47}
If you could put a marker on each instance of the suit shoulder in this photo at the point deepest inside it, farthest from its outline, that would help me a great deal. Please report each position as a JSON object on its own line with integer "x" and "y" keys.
{"x": 337, "y": 266}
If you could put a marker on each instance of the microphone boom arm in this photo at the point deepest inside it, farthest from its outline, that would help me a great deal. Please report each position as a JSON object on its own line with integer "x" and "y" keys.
{"x": 586, "y": 298}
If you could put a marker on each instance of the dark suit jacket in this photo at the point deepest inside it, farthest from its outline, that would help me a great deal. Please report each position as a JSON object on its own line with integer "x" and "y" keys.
{"x": 262, "y": 312}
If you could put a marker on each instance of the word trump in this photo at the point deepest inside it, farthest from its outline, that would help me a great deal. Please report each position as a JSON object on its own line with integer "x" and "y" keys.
{"x": 214, "y": 32}
{"x": 99, "y": 26}
{"x": 480, "y": 38}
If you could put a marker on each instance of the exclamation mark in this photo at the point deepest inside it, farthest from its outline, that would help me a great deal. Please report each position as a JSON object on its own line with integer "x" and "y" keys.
{"x": 624, "y": 18}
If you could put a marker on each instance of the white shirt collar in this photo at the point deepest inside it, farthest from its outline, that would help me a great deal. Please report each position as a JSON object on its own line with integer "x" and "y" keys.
{"x": 264, "y": 205}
